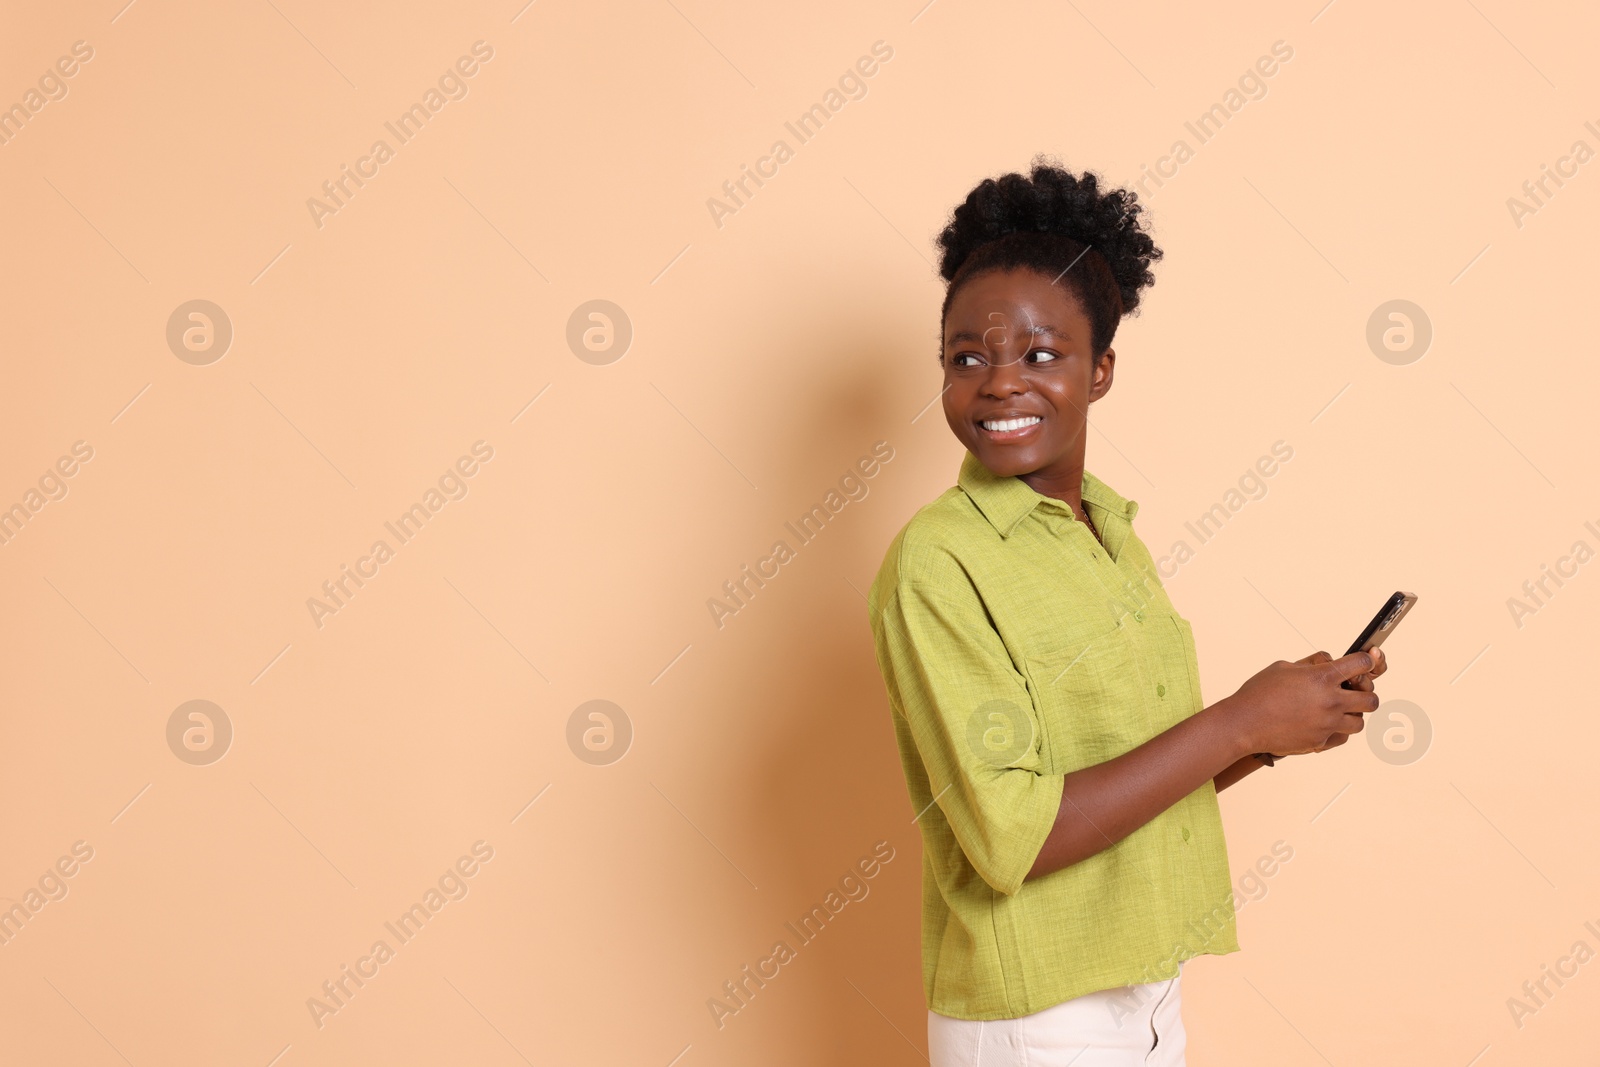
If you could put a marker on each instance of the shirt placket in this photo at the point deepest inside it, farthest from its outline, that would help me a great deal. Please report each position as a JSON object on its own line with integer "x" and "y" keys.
{"x": 1105, "y": 569}
{"x": 1110, "y": 576}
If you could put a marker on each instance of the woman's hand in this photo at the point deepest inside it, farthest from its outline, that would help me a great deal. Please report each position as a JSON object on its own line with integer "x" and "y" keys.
{"x": 1292, "y": 708}
{"x": 1363, "y": 682}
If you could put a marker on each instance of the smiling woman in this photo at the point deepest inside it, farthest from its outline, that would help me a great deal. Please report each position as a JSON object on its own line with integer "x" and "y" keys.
{"x": 1053, "y": 739}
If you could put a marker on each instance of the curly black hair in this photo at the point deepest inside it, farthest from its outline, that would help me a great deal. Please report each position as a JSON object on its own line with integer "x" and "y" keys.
{"x": 1064, "y": 227}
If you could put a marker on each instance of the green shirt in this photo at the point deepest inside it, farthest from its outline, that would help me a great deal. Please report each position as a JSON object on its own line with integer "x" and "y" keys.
{"x": 1016, "y": 649}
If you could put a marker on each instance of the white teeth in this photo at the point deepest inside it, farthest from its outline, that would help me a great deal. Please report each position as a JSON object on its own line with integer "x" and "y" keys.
{"x": 1007, "y": 425}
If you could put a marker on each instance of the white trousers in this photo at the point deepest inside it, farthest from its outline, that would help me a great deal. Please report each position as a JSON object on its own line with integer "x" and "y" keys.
{"x": 1130, "y": 1026}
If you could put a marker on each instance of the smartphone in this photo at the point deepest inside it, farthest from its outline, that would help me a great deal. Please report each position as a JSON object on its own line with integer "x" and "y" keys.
{"x": 1383, "y": 623}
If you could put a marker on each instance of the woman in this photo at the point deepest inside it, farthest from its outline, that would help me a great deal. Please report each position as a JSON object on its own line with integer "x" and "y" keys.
{"x": 1045, "y": 693}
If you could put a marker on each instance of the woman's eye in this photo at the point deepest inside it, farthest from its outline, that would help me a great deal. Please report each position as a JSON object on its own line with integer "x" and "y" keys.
{"x": 1044, "y": 354}
{"x": 958, "y": 359}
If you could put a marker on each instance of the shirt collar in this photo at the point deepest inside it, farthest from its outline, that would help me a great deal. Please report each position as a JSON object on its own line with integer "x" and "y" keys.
{"x": 1005, "y": 501}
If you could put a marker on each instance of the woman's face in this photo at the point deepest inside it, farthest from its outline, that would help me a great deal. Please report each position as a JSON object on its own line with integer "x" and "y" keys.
{"x": 1019, "y": 375}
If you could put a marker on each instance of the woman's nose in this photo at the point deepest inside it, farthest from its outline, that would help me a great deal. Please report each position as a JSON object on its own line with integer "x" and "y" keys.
{"x": 1005, "y": 377}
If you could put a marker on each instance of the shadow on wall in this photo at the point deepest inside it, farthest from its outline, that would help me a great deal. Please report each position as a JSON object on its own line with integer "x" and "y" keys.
{"x": 829, "y": 788}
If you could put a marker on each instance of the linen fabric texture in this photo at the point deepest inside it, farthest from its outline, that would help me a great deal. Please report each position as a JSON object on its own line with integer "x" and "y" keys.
{"x": 1016, "y": 649}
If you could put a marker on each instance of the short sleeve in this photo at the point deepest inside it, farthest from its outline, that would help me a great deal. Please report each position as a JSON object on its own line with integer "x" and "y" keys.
{"x": 974, "y": 725}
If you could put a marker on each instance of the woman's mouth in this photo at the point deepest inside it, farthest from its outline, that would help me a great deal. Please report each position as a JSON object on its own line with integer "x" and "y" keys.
{"x": 1010, "y": 429}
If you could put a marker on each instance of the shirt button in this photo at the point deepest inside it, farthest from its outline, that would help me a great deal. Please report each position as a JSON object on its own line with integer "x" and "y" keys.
{"x": 1186, "y": 833}
{"x": 1139, "y": 615}
{"x": 1161, "y": 690}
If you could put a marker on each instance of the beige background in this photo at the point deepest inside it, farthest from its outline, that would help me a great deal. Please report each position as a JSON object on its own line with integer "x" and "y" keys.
{"x": 768, "y": 354}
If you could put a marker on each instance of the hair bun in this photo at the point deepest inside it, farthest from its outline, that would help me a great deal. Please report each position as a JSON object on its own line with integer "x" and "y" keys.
{"x": 1052, "y": 200}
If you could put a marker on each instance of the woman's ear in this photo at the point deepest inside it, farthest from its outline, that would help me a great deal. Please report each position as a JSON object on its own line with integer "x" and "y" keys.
{"x": 1104, "y": 369}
